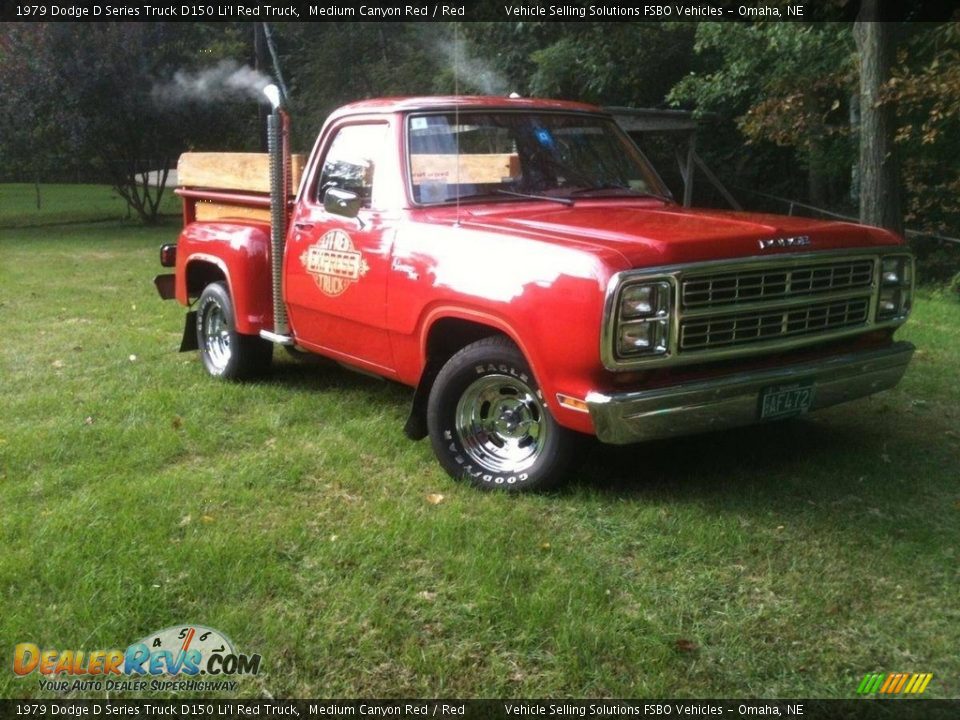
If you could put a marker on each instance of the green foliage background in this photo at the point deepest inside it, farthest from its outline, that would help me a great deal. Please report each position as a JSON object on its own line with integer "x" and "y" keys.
{"x": 778, "y": 99}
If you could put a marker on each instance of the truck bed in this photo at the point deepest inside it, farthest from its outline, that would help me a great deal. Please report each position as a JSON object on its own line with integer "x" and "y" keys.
{"x": 215, "y": 186}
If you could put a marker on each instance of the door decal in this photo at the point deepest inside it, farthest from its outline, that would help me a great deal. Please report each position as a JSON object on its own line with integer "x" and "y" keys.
{"x": 334, "y": 262}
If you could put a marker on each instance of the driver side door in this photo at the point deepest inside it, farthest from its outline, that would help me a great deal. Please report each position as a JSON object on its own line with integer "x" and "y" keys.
{"x": 337, "y": 266}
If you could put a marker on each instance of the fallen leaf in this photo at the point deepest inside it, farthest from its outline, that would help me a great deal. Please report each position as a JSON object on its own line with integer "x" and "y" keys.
{"x": 333, "y": 538}
{"x": 207, "y": 518}
{"x": 77, "y": 348}
{"x": 185, "y": 520}
{"x": 57, "y": 364}
{"x": 779, "y": 527}
{"x": 270, "y": 442}
{"x": 88, "y": 420}
{"x": 545, "y": 546}
{"x": 177, "y": 422}
{"x": 427, "y": 595}
{"x": 687, "y": 645}
{"x": 435, "y": 498}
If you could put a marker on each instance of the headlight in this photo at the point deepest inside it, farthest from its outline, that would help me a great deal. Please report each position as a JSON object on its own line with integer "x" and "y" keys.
{"x": 644, "y": 319}
{"x": 645, "y": 300}
{"x": 896, "y": 287}
{"x": 643, "y": 338}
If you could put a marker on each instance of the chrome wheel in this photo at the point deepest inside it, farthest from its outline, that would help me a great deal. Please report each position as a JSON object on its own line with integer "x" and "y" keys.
{"x": 501, "y": 423}
{"x": 216, "y": 336}
{"x": 225, "y": 352}
{"x": 488, "y": 423}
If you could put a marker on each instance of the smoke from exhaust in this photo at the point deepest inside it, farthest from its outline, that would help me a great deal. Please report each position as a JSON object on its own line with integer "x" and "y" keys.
{"x": 473, "y": 73}
{"x": 227, "y": 80}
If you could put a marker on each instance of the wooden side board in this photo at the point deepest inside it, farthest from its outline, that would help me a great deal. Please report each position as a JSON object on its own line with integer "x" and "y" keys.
{"x": 232, "y": 171}
{"x": 221, "y": 211}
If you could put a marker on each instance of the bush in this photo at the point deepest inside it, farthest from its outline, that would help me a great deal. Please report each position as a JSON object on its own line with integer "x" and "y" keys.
{"x": 937, "y": 260}
{"x": 955, "y": 286}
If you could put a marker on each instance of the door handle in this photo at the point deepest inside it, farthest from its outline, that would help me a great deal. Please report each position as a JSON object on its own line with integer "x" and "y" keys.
{"x": 302, "y": 226}
{"x": 409, "y": 270}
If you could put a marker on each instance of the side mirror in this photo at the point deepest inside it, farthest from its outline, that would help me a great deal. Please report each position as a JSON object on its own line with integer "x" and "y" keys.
{"x": 341, "y": 202}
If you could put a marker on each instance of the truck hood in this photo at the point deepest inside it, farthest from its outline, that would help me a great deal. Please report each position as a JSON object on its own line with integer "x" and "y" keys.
{"x": 648, "y": 233}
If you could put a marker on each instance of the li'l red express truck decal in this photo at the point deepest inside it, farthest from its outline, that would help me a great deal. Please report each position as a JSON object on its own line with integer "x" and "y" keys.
{"x": 334, "y": 262}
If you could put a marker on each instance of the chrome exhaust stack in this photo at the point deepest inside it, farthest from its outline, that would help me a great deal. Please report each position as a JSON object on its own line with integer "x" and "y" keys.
{"x": 278, "y": 146}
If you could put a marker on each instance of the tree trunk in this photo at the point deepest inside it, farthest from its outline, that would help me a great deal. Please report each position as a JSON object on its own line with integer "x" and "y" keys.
{"x": 879, "y": 172}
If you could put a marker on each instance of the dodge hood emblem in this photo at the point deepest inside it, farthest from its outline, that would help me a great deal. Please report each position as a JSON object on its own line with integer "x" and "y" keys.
{"x": 798, "y": 241}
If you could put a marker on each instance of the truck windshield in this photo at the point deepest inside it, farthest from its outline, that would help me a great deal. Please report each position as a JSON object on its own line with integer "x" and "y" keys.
{"x": 496, "y": 155}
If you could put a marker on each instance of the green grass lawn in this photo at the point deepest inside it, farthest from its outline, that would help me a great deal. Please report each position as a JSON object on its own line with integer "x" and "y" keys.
{"x": 64, "y": 204}
{"x": 292, "y": 514}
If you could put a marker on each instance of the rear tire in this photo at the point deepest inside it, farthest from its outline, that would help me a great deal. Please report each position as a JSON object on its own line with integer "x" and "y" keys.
{"x": 225, "y": 352}
{"x": 488, "y": 422}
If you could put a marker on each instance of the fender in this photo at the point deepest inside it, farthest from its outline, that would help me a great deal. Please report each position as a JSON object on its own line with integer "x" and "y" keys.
{"x": 562, "y": 369}
{"x": 241, "y": 252}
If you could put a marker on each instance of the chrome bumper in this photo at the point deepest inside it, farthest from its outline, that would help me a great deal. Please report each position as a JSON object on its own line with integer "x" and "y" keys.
{"x": 733, "y": 400}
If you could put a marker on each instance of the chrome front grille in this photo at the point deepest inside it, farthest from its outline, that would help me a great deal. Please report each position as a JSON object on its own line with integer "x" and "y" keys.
{"x": 725, "y": 309}
{"x": 740, "y": 286}
{"x": 739, "y": 307}
{"x": 738, "y": 329}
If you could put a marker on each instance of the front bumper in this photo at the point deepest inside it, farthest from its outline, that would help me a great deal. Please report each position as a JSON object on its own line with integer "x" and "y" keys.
{"x": 733, "y": 400}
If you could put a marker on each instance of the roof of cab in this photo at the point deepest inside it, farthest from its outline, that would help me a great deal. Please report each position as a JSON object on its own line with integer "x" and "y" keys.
{"x": 450, "y": 102}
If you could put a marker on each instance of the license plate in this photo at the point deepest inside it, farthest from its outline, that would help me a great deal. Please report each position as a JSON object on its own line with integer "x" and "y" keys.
{"x": 779, "y": 401}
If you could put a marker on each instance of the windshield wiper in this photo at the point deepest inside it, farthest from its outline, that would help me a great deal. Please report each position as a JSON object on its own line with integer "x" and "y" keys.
{"x": 624, "y": 188}
{"x": 488, "y": 195}
{"x": 562, "y": 200}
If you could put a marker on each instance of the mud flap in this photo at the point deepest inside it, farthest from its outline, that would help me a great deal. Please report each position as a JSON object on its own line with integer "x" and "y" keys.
{"x": 416, "y": 425}
{"x": 165, "y": 285}
{"x": 189, "y": 341}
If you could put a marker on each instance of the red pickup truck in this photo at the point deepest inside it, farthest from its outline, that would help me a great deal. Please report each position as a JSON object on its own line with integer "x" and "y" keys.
{"x": 521, "y": 265}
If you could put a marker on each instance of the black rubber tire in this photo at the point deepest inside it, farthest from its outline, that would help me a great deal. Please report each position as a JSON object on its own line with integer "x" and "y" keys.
{"x": 488, "y": 423}
{"x": 225, "y": 352}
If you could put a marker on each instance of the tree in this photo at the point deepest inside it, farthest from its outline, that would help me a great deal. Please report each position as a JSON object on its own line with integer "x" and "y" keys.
{"x": 784, "y": 83}
{"x": 384, "y": 59}
{"x": 879, "y": 171}
{"x": 87, "y": 94}
{"x": 32, "y": 117}
{"x": 925, "y": 89}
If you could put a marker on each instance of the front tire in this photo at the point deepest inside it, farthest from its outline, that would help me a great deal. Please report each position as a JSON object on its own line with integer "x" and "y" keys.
{"x": 225, "y": 352}
{"x": 488, "y": 422}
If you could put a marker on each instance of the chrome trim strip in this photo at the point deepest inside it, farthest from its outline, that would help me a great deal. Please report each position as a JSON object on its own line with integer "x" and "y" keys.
{"x": 277, "y": 339}
{"x": 797, "y": 301}
{"x": 699, "y": 292}
{"x": 732, "y": 400}
{"x": 744, "y": 330}
{"x": 675, "y": 274}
